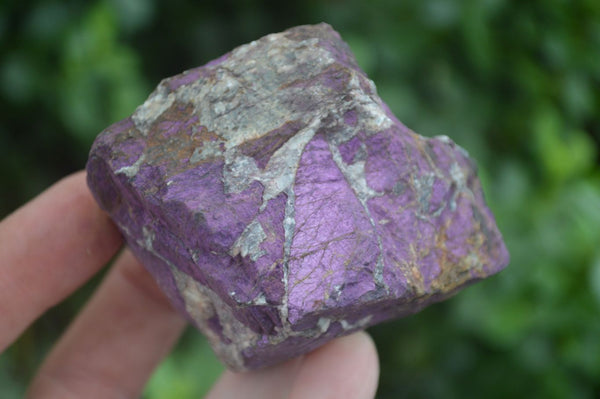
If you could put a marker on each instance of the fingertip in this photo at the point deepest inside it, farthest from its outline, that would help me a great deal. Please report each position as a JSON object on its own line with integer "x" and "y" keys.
{"x": 347, "y": 367}
{"x": 106, "y": 237}
{"x": 86, "y": 235}
{"x": 370, "y": 358}
{"x": 268, "y": 383}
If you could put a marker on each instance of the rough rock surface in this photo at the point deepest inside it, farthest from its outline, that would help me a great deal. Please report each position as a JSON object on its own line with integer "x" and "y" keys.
{"x": 279, "y": 203}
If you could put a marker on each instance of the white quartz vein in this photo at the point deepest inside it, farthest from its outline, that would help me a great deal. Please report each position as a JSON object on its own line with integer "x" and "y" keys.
{"x": 355, "y": 177}
{"x": 133, "y": 169}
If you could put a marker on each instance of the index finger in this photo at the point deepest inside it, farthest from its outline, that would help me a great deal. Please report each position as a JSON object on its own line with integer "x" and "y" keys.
{"x": 48, "y": 248}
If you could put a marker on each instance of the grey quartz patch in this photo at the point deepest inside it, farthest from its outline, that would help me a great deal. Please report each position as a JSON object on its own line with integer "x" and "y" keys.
{"x": 209, "y": 149}
{"x": 248, "y": 243}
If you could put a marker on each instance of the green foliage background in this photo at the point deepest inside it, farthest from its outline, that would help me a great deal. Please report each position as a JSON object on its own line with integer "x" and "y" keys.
{"x": 516, "y": 83}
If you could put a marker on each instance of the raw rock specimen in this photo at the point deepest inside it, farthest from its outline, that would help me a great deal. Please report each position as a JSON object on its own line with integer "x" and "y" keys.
{"x": 279, "y": 203}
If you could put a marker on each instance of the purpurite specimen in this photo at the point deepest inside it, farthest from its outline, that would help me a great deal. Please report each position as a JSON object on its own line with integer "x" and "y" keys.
{"x": 279, "y": 203}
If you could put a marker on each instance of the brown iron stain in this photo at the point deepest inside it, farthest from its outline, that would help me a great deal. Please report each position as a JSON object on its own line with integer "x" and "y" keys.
{"x": 262, "y": 148}
{"x": 173, "y": 137}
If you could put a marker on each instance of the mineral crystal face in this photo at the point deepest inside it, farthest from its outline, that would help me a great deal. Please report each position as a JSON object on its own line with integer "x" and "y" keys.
{"x": 279, "y": 203}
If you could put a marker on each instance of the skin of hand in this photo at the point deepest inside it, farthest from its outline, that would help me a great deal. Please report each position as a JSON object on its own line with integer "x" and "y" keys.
{"x": 56, "y": 242}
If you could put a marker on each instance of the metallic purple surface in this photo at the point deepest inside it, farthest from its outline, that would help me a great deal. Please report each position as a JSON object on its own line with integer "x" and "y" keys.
{"x": 279, "y": 203}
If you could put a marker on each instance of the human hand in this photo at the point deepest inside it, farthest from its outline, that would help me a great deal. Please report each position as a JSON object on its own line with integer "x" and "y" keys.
{"x": 55, "y": 243}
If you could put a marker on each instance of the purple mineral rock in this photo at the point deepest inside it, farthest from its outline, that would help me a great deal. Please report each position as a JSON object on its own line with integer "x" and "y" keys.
{"x": 279, "y": 203}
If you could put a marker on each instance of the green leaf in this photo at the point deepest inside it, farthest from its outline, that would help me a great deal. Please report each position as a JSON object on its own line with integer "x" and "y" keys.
{"x": 563, "y": 153}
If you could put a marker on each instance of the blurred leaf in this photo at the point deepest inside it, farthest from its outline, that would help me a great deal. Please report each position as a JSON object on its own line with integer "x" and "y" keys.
{"x": 363, "y": 51}
{"x": 578, "y": 96}
{"x": 477, "y": 36}
{"x": 189, "y": 372}
{"x": 46, "y": 21}
{"x": 17, "y": 78}
{"x": 595, "y": 279}
{"x": 133, "y": 14}
{"x": 563, "y": 153}
{"x": 9, "y": 388}
{"x": 101, "y": 81}
{"x": 440, "y": 13}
